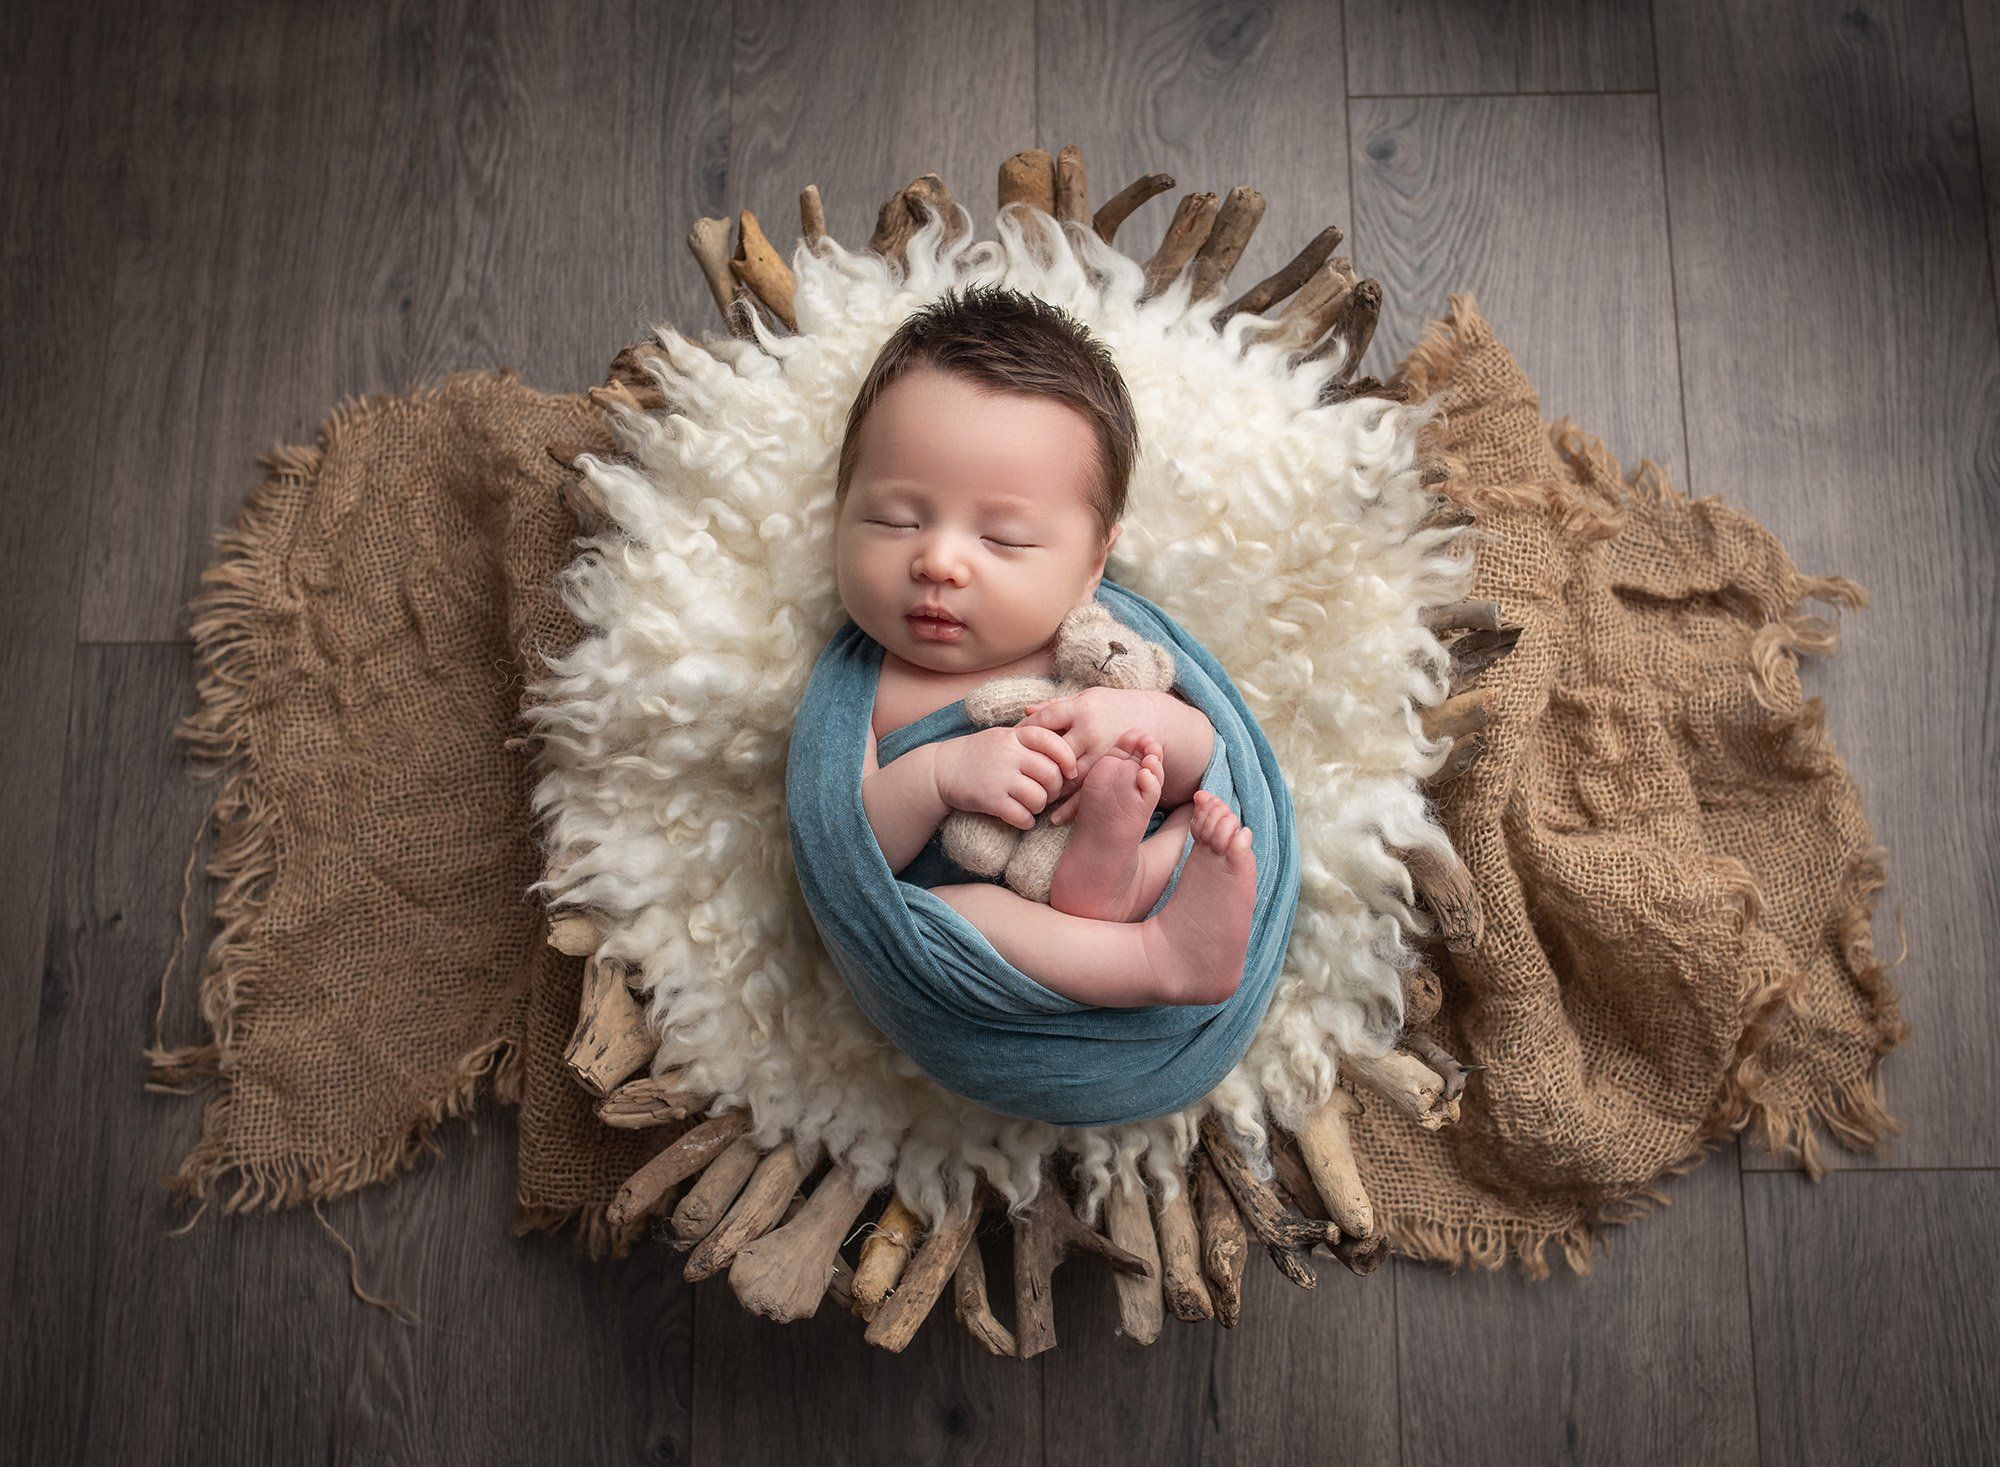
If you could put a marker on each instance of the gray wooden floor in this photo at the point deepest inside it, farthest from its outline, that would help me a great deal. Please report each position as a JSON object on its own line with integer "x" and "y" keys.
{"x": 1753, "y": 241}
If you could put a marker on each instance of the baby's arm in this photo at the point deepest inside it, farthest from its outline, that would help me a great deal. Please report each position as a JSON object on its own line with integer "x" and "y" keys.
{"x": 902, "y": 801}
{"x": 1187, "y": 743}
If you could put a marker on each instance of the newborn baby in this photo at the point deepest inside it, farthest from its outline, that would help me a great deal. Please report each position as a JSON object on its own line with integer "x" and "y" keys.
{"x": 981, "y": 482}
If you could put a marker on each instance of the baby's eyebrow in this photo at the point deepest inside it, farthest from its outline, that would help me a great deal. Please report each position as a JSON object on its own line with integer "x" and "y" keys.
{"x": 1004, "y": 503}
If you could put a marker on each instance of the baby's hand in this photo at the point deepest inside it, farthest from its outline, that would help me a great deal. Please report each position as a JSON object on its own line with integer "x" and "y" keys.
{"x": 1009, "y": 772}
{"x": 1094, "y": 720}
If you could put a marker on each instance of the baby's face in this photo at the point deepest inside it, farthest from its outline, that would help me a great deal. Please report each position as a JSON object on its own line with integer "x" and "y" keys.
{"x": 974, "y": 500}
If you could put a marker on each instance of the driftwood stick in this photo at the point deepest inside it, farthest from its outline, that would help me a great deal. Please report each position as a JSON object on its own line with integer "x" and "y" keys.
{"x": 1362, "y": 1254}
{"x": 972, "y": 1306}
{"x": 812, "y": 217}
{"x": 639, "y": 1105}
{"x": 1191, "y": 223}
{"x": 709, "y": 1198}
{"x": 1474, "y": 652}
{"x": 629, "y": 369}
{"x": 895, "y": 1322}
{"x": 1326, "y": 1148}
{"x": 1434, "y": 1054}
{"x": 884, "y": 1255}
{"x": 1129, "y": 1221}
{"x": 1225, "y": 1247}
{"x": 758, "y": 265}
{"x": 1316, "y": 303}
{"x": 1407, "y": 1083}
{"x": 1472, "y": 616}
{"x": 1285, "y": 1234}
{"x": 1118, "y": 208}
{"x": 1029, "y": 177}
{"x": 708, "y": 241}
{"x": 1235, "y": 222}
{"x": 1274, "y": 288}
{"x": 611, "y": 1039}
{"x": 1072, "y": 186}
{"x": 1445, "y": 889}
{"x": 840, "y": 1286}
{"x": 1351, "y": 327}
{"x": 783, "y": 1275}
{"x": 1044, "y": 1236}
{"x": 571, "y": 932}
{"x": 687, "y": 1155}
{"x": 1463, "y": 754}
{"x": 1180, "y": 1256}
{"x": 753, "y": 1214}
{"x": 1456, "y": 717}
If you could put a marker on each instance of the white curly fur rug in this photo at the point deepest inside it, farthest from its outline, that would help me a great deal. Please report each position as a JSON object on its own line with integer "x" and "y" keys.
{"x": 1282, "y": 533}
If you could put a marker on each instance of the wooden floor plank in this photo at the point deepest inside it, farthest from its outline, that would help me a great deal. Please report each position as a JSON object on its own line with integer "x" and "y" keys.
{"x": 1300, "y": 1367}
{"x": 1645, "y": 1359}
{"x": 861, "y": 97}
{"x": 1550, "y": 211}
{"x": 320, "y": 206}
{"x": 1406, "y": 47}
{"x": 1982, "y": 39}
{"x": 1842, "y": 383}
{"x": 1216, "y": 95}
{"x": 66, "y": 78}
{"x": 1873, "y": 1302}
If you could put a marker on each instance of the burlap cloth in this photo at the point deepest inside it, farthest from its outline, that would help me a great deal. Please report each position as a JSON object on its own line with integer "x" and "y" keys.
{"x": 1676, "y": 872}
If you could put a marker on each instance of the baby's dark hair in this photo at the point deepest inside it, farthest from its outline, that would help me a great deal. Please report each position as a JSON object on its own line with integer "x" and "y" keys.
{"x": 1016, "y": 343}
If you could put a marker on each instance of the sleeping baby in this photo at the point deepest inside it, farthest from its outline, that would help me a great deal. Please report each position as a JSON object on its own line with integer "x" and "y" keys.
{"x": 981, "y": 482}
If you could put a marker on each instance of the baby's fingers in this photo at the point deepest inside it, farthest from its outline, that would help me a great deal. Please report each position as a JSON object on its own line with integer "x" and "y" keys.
{"x": 1047, "y": 741}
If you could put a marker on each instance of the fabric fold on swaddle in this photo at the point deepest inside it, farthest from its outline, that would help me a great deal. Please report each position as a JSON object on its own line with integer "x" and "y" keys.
{"x": 933, "y": 984}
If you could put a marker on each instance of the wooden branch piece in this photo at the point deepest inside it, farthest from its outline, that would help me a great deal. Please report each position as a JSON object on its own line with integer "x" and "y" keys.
{"x": 1235, "y": 222}
{"x": 1314, "y": 306}
{"x": 1448, "y": 1069}
{"x": 1118, "y": 208}
{"x": 1225, "y": 1247}
{"x": 764, "y": 1197}
{"x": 1353, "y": 327}
{"x": 783, "y": 1275}
{"x": 639, "y": 1105}
{"x": 972, "y": 1306}
{"x": 1473, "y": 616}
{"x": 1445, "y": 889}
{"x": 612, "y": 1039}
{"x": 1407, "y": 1083}
{"x": 1456, "y": 717}
{"x": 574, "y": 933}
{"x": 1191, "y": 224}
{"x": 1284, "y": 1233}
{"x": 1180, "y": 1257}
{"x": 1474, "y": 652}
{"x": 1044, "y": 1236}
{"x": 1362, "y": 1253}
{"x": 812, "y": 217}
{"x": 1274, "y": 288}
{"x": 758, "y": 265}
{"x": 884, "y": 1255}
{"x": 1029, "y": 178}
{"x": 1423, "y": 995}
{"x": 708, "y": 240}
{"x": 687, "y": 1155}
{"x": 1327, "y": 1149}
{"x": 903, "y": 215}
{"x": 1072, "y": 187}
{"x": 709, "y": 1198}
{"x": 1129, "y": 1221}
{"x": 896, "y": 1321}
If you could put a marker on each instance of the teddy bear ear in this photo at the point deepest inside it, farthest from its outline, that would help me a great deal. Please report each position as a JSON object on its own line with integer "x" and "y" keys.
{"x": 1164, "y": 659}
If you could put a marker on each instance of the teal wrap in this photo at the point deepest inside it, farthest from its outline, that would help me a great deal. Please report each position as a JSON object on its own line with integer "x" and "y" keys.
{"x": 937, "y": 988}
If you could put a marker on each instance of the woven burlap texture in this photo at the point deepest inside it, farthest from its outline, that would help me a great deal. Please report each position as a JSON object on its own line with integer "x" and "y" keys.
{"x": 1676, "y": 872}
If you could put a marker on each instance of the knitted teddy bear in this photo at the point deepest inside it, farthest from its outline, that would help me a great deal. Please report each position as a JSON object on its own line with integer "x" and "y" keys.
{"x": 1093, "y": 650}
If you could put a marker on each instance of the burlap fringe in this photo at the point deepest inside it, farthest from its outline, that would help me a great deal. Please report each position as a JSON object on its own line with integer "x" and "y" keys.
{"x": 224, "y": 624}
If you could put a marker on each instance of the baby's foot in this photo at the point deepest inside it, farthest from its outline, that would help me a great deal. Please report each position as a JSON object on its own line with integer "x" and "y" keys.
{"x": 1099, "y": 873}
{"x": 1199, "y": 940}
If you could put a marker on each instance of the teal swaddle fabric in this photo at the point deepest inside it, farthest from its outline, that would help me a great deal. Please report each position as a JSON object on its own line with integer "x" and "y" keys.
{"x": 939, "y": 990}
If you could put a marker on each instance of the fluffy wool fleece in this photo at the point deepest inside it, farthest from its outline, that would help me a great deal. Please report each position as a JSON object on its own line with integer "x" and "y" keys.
{"x": 1285, "y": 535}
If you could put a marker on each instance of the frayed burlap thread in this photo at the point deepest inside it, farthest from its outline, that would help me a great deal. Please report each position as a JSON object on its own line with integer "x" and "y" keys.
{"x": 1676, "y": 872}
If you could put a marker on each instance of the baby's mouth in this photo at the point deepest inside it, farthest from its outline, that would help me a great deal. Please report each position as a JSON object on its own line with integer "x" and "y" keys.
{"x": 931, "y": 628}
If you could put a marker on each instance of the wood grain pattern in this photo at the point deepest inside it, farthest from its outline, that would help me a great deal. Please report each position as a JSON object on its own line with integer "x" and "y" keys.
{"x": 1874, "y": 1316}
{"x": 849, "y": 94}
{"x": 1842, "y": 383}
{"x": 1402, "y": 47}
{"x": 1548, "y": 210}
{"x": 65, "y": 86}
{"x": 1982, "y": 40}
{"x": 1299, "y": 1367}
{"x": 319, "y": 207}
{"x": 1647, "y": 1358}
{"x": 1216, "y": 94}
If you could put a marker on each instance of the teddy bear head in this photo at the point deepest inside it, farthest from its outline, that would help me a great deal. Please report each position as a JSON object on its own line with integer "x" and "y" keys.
{"x": 1096, "y": 650}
